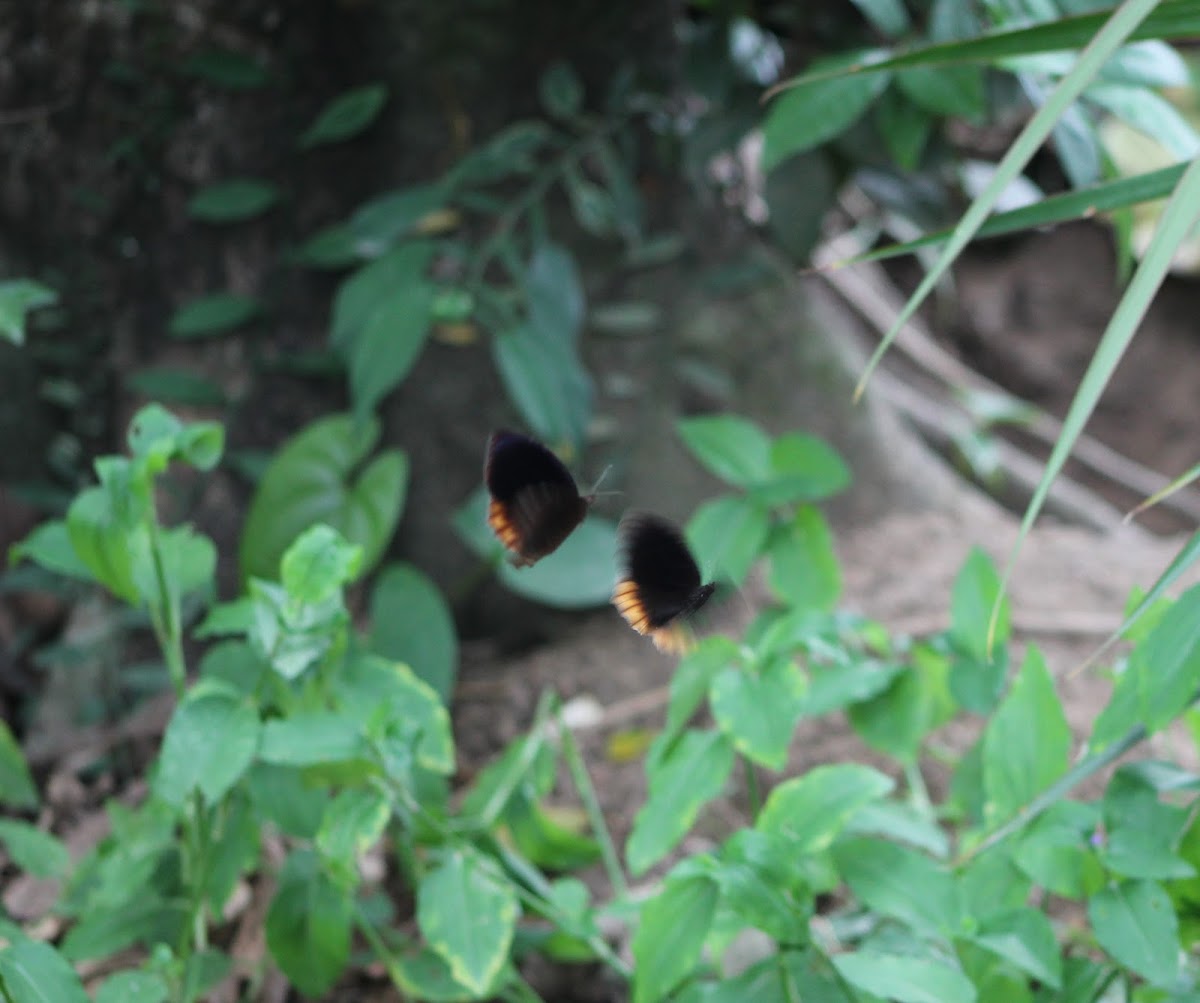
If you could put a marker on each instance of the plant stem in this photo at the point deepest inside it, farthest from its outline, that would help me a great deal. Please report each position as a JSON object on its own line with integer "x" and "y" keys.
{"x": 753, "y": 791}
{"x": 165, "y": 615}
{"x": 1078, "y": 773}
{"x": 529, "y": 751}
{"x": 918, "y": 793}
{"x": 587, "y": 793}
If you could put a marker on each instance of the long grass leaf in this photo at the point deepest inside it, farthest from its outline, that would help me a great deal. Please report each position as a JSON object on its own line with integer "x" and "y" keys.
{"x": 1180, "y": 482}
{"x": 1107, "y": 40}
{"x": 1178, "y": 218}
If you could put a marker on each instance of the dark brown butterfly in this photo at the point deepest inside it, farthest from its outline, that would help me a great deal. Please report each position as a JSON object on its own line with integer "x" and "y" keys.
{"x": 535, "y": 504}
{"x": 659, "y": 581}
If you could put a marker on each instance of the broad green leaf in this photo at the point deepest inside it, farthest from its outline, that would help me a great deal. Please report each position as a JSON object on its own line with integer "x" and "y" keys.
{"x": 810, "y": 811}
{"x": 884, "y": 876}
{"x": 1056, "y": 851}
{"x": 992, "y": 885}
{"x": 554, "y": 293}
{"x": 209, "y": 744}
{"x": 693, "y": 676}
{"x": 1026, "y": 938}
{"x": 33, "y": 972}
{"x": 813, "y": 111}
{"x": 670, "y": 936}
{"x": 734, "y": 449}
{"x": 579, "y": 575}
{"x": 281, "y": 795}
{"x": 389, "y": 344}
{"x": 904, "y": 979}
{"x": 354, "y": 820}
{"x": 177, "y": 386}
{"x": 461, "y": 885}
{"x": 801, "y": 468}
{"x": 330, "y": 247}
{"x": 804, "y": 570}
{"x": 1027, "y": 744}
{"x": 945, "y": 91}
{"x": 692, "y": 773}
{"x": 917, "y": 701}
{"x": 1135, "y": 923}
{"x": 888, "y": 16}
{"x": 311, "y": 739}
{"x": 133, "y": 987}
{"x": 107, "y": 537}
{"x": 561, "y": 91}
{"x": 233, "y": 201}
{"x": 212, "y": 314}
{"x": 1142, "y": 831}
{"x": 33, "y": 850}
{"x": 840, "y": 686}
{"x": 49, "y": 546}
{"x": 757, "y": 875}
{"x": 318, "y": 563}
{"x": 144, "y": 917}
{"x": 16, "y": 782}
{"x": 1150, "y": 114}
{"x": 18, "y": 297}
{"x": 900, "y": 823}
{"x": 370, "y": 287}
{"x": 976, "y": 590}
{"x": 378, "y": 691}
{"x": 411, "y": 623}
{"x": 345, "y": 116}
{"x": 1167, "y": 662}
{"x": 727, "y": 535}
{"x": 378, "y": 224}
{"x": 546, "y": 381}
{"x": 186, "y": 562}
{"x": 591, "y": 205}
{"x": 308, "y": 924}
{"x": 158, "y": 437}
{"x": 323, "y": 475}
{"x": 758, "y": 710}
{"x": 905, "y": 128}
{"x": 423, "y": 975}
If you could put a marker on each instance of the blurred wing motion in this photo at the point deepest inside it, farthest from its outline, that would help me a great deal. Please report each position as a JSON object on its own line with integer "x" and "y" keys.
{"x": 534, "y": 501}
{"x": 659, "y": 581}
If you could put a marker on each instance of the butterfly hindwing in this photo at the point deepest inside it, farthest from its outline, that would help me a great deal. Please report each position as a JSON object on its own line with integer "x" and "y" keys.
{"x": 534, "y": 504}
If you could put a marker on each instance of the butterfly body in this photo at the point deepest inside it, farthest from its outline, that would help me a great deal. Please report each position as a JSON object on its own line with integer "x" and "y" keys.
{"x": 535, "y": 504}
{"x": 659, "y": 583}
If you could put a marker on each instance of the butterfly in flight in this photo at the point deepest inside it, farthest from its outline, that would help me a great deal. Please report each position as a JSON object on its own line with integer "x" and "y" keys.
{"x": 535, "y": 504}
{"x": 659, "y": 581}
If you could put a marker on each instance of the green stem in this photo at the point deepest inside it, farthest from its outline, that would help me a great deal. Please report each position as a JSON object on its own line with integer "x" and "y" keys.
{"x": 587, "y": 793}
{"x": 1051, "y": 795}
{"x": 165, "y": 615}
{"x": 918, "y": 793}
{"x": 529, "y": 752}
{"x": 753, "y": 791}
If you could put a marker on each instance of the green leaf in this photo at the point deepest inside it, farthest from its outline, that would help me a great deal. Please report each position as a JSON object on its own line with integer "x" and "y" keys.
{"x": 734, "y": 449}
{"x": 308, "y": 924}
{"x": 312, "y": 738}
{"x": 105, "y": 532}
{"x": 411, "y": 623}
{"x": 379, "y": 223}
{"x": 883, "y": 876}
{"x": 888, "y": 16}
{"x": 992, "y": 884}
{"x": 33, "y": 850}
{"x": 905, "y": 128}
{"x": 19, "y": 297}
{"x": 1056, "y": 851}
{"x": 917, "y": 701}
{"x": 1135, "y": 923}
{"x": 33, "y": 972}
{"x": 322, "y": 475}
{"x": 1142, "y": 832}
{"x": 692, "y": 773}
{"x": 1027, "y": 744}
{"x": 158, "y": 437}
{"x": 1167, "y": 664}
{"x": 233, "y": 201}
{"x": 546, "y": 381}
{"x": 945, "y": 91}
{"x": 330, "y": 247}
{"x": 1026, "y": 938}
{"x": 226, "y": 68}
{"x": 144, "y": 917}
{"x": 591, "y": 205}
{"x": 976, "y": 590}
{"x": 900, "y": 823}
{"x": 840, "y": 686}
{"x": 813, "y": 111}
{"x": 759, "y": 710}
{"x": 133, "y": 987}
{"x": 554, "y": 293}
{"x": 804, "y": 569}
{"x": 670, "y": 936}
{"x": 353, "y": 822}
{"x": 801, "y": 468}
{"x": 757, "y": 875}
{"x": 810, "y": 811}
{"x": 282, "y": 796}
{"x": 209, "y": 744}
{"x": 365, "y": 291}
{"x": 727, "y": 535}
{"x": 579, "y": 575}
{"x": 1150, "y": 114}
{"x": 561, "y": 91}
{"x": 16, "y": 783}
{"x": 318, "y": 563}
{"x": 904, "y": 979}
{"x": 178, "y": 386}
{"x": 49, "y": 546}
{"x": 345, "y": 116}
{"x": 389, "y": 344}
{"x": 463, "y": 885}
{"x": 215, "y": 314}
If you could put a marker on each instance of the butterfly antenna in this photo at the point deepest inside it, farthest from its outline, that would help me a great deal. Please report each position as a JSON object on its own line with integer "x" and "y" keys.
{"x": 595, "y": 493}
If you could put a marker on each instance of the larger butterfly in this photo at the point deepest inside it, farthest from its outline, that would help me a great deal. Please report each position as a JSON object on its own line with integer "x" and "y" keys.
{"x": 534, "y": 501}
{"x": 659, "y": 581}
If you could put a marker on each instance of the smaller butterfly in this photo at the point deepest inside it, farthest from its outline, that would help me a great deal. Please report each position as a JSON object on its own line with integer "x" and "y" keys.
{"x": 535, "y": 504}
{"x": 659, "y": 581}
